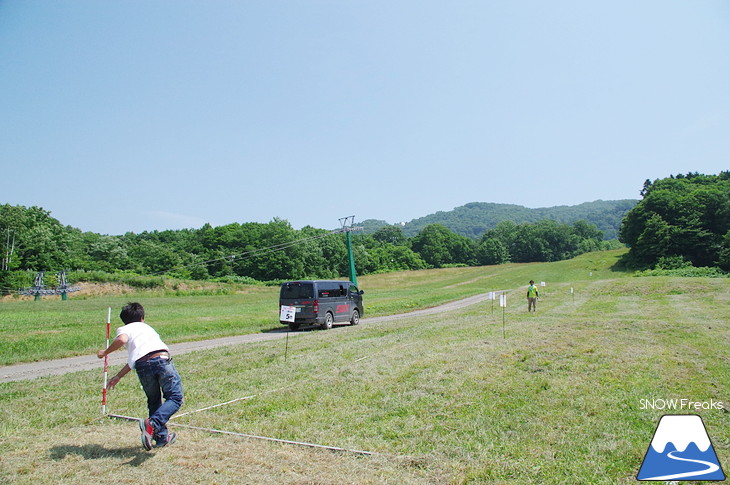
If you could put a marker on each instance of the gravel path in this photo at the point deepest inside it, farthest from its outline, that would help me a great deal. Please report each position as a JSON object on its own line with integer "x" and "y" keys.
{"x": 32, "y": 370}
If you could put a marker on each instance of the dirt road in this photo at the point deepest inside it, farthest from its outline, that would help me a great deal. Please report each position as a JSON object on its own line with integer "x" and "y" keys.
{"x": 20, "y": 372}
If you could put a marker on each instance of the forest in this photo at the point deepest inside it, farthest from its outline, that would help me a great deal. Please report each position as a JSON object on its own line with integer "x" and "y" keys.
{"x": 475, "y": 218}
{"x": 681, "y": 221}
{"x": 255, "y": 252}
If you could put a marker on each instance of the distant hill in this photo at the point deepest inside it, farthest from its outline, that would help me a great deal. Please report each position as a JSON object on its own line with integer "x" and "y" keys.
{"x": 475, "y": 218}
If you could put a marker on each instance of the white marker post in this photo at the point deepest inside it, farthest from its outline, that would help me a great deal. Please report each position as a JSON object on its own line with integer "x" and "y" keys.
{"x": 503, "y": 304}
{"x": 106, "y": 360}
{"x": 287, "y": 314}
{"x": 491, "y": 297}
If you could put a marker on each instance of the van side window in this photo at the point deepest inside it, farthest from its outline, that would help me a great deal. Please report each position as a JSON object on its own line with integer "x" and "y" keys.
{"x": 328, "y": 290}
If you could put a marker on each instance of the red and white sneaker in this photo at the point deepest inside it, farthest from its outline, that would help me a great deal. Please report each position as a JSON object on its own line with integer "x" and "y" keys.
{"x": 147, "y": 431}
{"x": 171, "y": 437}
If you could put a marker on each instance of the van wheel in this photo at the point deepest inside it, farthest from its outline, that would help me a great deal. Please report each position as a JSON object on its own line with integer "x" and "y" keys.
{"x": 293, "y": 326}
{"x": 355, "y": 317}
{"x": 328, "y": 321}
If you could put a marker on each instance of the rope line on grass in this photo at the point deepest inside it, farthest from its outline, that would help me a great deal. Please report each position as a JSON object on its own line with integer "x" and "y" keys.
{"x": 311, "y": 376}
{"x": 230, "y": 402}
{"x": 257, "y": 437}
{"x": 246, "y": 398}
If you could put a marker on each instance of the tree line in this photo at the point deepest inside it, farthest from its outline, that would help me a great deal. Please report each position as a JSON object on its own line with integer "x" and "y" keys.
{"x": 475, "y": 218}
{"x": 35, "y": 241}
{"x": 681, "y": 221}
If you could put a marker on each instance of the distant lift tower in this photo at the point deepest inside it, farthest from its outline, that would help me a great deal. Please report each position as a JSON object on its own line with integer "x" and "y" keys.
{"x": 347, "y": 227}
{"x": 38, "y": 289}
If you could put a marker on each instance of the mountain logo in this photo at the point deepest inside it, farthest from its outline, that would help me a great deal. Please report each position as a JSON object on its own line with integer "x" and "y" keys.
{"x": 680, "y": 449}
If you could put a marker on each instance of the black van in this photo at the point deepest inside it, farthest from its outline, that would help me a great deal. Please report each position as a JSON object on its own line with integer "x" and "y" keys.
{"x": 322, "y": 302}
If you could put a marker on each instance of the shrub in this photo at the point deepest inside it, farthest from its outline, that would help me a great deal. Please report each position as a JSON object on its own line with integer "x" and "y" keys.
{"x": 686, "y": 272}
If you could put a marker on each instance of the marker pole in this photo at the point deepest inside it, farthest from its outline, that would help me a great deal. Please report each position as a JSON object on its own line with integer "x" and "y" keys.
{"x": 503, "y": 304}
{"x": 286, "y": 349}
{"x": 503, "y": 334}
{"x": 106, "y": 360}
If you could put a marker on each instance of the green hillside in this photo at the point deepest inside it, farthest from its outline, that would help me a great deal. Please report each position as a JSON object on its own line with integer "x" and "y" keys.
{"x": 473, "y": 219}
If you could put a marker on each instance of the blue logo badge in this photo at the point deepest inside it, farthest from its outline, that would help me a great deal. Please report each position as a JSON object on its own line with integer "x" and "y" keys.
{"x": 680, "y": 450}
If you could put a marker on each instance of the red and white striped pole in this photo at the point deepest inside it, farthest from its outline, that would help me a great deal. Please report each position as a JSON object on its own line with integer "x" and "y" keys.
{"x": 106, "y": 360}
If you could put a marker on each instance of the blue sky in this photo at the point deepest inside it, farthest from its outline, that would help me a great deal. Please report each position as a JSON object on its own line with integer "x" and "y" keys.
{"x": 143, "y": 115}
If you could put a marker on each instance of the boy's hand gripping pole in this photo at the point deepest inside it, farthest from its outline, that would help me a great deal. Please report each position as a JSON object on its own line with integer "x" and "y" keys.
{"x": 106, "y": 360}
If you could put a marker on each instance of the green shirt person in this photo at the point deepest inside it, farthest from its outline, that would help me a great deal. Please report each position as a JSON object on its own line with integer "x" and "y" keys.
{"x": 532, "y": 295}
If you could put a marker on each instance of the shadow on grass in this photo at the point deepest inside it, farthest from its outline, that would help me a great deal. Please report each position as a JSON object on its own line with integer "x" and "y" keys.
{"x": 285, "y": 329}
{"x": 95, "y": 452}
{"x": 304, "y": 328}
{"x": 626, "y": 263}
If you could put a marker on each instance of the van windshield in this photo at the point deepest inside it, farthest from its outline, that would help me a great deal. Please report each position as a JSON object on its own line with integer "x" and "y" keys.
{"x": 297, "y": 290}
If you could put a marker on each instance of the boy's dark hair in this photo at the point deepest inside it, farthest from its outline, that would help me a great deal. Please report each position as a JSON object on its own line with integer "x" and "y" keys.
{"x": 132, "y": 312}
{"x": 532, "y": 282}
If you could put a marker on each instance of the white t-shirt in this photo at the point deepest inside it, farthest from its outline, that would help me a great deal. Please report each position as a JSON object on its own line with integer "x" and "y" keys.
{"x": 142, "y": 339}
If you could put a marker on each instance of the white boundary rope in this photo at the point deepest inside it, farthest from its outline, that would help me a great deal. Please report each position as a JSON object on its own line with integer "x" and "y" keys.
{"x": 245, "y": 398}
{"x": 256, "y": 437}
{"x": 231, "y": 401}
{"x": 214, "y": 406}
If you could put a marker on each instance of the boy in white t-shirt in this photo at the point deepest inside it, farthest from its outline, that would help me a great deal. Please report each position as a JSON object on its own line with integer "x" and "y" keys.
{"x": 150, "y": 357}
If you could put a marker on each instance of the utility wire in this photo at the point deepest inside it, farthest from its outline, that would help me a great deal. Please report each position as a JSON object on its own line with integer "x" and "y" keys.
{"x": 232, "y": 257}
{"x": 250, "y": 253}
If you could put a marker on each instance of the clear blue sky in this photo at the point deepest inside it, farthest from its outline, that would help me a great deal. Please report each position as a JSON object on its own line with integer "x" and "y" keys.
{"x": 132, "y": 115}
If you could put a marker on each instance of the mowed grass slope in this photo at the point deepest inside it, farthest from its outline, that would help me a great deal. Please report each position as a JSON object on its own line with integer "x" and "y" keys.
{"x": 441, "y": 399}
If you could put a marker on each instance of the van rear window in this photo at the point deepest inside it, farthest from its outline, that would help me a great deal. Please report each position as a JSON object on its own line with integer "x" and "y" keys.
{"x": 297, "y": 290}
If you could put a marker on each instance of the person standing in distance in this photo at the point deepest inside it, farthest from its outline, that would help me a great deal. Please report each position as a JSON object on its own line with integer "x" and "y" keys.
{"x": 532, "y": 295}
{"x": 150, "y": 357}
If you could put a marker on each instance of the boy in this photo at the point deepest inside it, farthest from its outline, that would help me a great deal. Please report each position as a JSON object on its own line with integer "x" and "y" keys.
{"x": 150, "y": 357}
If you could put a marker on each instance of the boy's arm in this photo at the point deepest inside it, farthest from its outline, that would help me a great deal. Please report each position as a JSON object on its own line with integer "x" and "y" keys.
{"x": 115, "y": 380}
{"x": 117, "y": 344}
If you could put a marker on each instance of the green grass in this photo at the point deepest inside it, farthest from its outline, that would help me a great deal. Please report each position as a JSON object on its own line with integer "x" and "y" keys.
{"x": 51, "y": 328}
{"x": 442, "y": 398}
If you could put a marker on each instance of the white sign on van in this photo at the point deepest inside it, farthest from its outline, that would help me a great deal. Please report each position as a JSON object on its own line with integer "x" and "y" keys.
{"x": 287, "y": 314}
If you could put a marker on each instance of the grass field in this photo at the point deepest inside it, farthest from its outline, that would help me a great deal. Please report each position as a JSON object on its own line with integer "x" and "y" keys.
{"x": 440, "y": 399}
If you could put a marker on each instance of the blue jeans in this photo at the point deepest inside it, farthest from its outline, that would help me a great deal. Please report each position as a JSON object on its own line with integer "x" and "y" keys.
{"x": 160, "y": 379}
